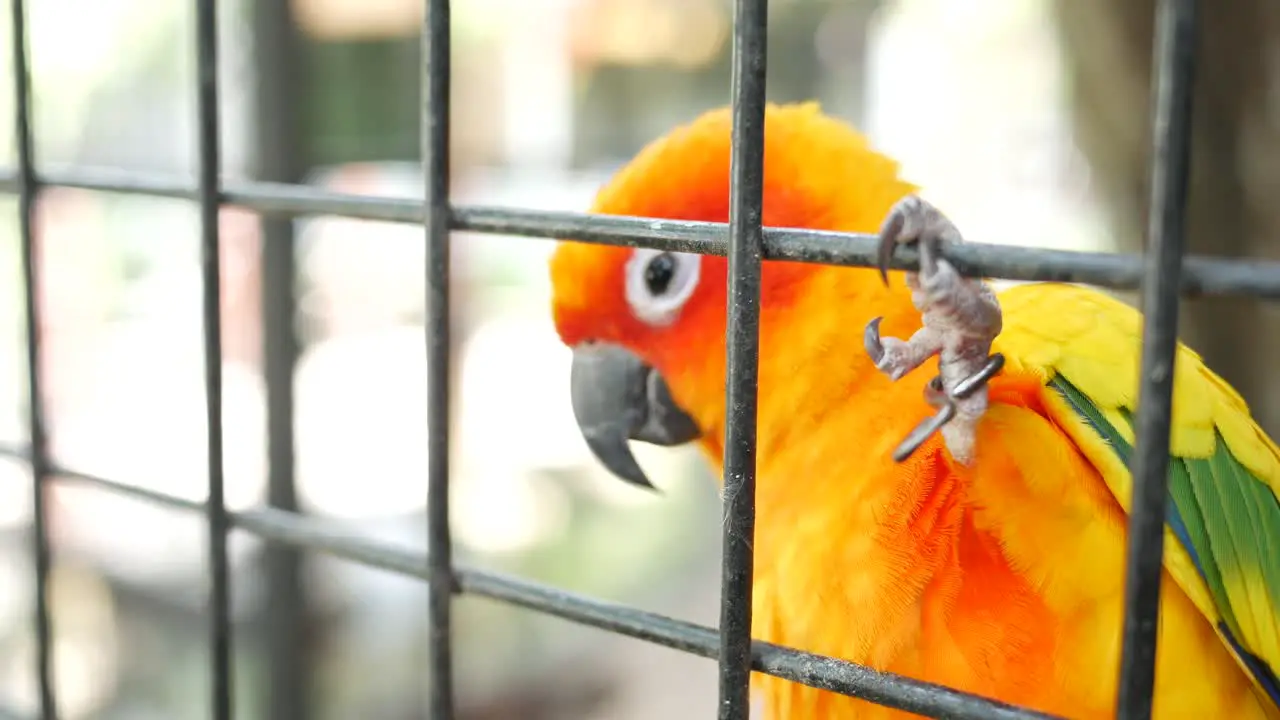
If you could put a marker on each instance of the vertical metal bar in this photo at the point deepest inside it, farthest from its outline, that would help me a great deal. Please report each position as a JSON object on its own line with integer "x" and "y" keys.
{"x": 208, "y": 191}
{"x": 435, "y": 171}
{"x": 278, "y": 150}
{"x": 746, "y": 251}
{"x": 40, "y": 464}
{"x": 1166, "y": 230}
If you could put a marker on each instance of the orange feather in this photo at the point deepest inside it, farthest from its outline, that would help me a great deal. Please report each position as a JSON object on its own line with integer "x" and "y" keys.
{"x": 1002, "y": 578}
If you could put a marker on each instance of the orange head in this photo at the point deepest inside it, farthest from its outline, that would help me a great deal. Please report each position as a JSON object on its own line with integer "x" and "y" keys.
{"x": 648, "y": 327}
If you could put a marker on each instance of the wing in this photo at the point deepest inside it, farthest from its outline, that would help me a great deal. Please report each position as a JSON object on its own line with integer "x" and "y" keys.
{"x": 1223, "y": 518}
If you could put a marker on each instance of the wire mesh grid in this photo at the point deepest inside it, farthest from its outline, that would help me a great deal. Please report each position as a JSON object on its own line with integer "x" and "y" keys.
{"x": 1162, "y": 274}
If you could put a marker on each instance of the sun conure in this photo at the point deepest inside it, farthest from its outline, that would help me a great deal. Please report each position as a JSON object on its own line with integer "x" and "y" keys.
{"x": 991, "y": 558}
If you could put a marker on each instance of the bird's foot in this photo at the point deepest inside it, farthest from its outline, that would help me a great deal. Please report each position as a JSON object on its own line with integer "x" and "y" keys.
{"x": 961, "y": 319}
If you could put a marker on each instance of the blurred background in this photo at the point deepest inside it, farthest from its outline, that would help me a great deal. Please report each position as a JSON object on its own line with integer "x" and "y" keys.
{"x": 1027, "y": 121}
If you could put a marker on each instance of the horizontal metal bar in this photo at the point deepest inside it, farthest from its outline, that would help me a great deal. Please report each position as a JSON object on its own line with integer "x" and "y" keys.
{"x": 796, "y": 665}
{"x": 1202, "y": 275}
{"x": 154, "y": 497}
{"x": 803, "y": 667}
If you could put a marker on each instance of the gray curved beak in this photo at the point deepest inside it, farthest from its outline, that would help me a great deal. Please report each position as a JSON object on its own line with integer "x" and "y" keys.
{"x": 616, "y": 398}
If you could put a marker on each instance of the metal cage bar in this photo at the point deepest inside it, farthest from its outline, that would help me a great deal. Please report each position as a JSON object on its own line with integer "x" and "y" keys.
{"x": 742, "y": 348}
{"x": 325, "y": 536}
{"x": 1166, "y": 230}
{"x": 208, "y": 178}
{"x": 435, "y": 170}
{"x": 27, "y": 187}
{"x": 1163, "y": 274}
{"x": 287, "y": 617}
{"x": 1202, "y": 275}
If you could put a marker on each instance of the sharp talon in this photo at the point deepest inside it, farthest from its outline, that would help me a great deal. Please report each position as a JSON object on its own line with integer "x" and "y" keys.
{"x": 960, "y": 319}
{"x": 934, "y": 393}
{"x": 969, "y": 385}
{"x": 890, "y": 232}
{"x": 921, "y": 433}
{"x": 883, "y": 254}
{"x": 871, "y": 341}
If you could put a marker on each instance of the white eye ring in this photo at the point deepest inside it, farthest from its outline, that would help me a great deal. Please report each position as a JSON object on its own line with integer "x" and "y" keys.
{"x": 660, "y": 282}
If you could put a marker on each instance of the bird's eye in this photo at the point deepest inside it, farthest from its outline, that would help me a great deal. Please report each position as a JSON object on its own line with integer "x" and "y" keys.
{"x": 658, "y": 273}
{"x": 660, "y": 282}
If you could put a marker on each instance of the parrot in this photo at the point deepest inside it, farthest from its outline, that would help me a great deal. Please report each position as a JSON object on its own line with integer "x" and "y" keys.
{"x": 988, "y": 555}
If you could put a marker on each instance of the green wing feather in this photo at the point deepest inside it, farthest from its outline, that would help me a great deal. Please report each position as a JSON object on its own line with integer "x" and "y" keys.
{"x": 1229, "y": 522}
{"x": 1223, "y": 473}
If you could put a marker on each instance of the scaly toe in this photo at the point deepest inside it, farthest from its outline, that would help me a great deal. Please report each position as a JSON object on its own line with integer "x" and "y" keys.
{"x": 961, "y": 317}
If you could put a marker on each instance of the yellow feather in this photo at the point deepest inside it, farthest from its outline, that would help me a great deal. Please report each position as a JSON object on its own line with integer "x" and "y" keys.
{"x": 1092, "y": 340}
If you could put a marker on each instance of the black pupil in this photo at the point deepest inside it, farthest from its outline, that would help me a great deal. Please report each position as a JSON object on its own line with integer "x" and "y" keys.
{"x": 659, "y": 273}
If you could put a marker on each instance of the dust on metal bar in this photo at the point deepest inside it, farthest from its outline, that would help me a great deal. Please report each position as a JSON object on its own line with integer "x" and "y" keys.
{"x": 209, "y": 197}
{"x": 1202, "y": 275}
{"x": 742, "y": 345}
{"x": 1171, "y": 167}
{"x": 435, "y": 172}
{"x": 27, "y": 189}
{"x": 840, "y": 676}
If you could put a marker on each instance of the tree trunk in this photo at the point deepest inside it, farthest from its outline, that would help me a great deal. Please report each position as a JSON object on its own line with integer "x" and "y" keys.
{"x": 1235, "y": 184}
